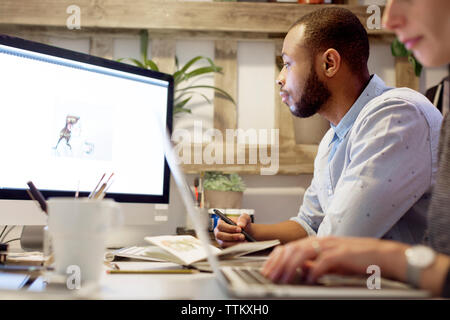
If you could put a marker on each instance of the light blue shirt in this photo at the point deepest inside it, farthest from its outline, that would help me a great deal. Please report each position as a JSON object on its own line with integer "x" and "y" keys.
{"x": 374, "y": 171}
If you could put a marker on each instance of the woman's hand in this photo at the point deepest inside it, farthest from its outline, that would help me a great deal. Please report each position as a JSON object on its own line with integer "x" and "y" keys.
{"x": 313, "y": 257}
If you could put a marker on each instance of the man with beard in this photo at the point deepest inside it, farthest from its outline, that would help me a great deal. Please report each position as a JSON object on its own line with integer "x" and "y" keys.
{"x": 376, "y": 165}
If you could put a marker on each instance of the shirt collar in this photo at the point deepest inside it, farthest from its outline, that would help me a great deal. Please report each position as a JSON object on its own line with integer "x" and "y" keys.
{"x": 373, "y": 89}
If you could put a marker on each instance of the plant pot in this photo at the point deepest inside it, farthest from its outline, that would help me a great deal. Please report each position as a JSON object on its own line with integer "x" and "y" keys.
{"x": 223, "y": 199}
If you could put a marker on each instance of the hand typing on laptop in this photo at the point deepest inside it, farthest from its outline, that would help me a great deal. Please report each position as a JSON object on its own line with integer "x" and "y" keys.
{"x": 315, "y": 257}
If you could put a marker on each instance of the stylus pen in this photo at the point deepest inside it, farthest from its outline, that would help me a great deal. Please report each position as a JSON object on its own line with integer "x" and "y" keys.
{"x": 37, "y": 195}
{"x": 229, "y": 221}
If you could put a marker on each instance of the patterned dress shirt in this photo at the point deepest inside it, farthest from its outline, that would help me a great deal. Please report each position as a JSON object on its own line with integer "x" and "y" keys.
{"x": 374, "y": 171}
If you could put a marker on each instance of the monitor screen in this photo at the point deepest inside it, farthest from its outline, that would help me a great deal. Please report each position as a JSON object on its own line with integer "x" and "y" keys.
{"x": 67, "y": 118}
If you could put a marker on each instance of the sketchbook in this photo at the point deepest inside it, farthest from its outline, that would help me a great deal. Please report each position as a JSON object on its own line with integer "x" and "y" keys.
{"x": 188, "y": 250}
{"x": 134, "y": 253}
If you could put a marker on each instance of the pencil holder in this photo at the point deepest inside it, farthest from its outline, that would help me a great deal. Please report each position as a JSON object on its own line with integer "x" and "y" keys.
{"x": 47, "y": 243}
{"x": 3, "y": 252}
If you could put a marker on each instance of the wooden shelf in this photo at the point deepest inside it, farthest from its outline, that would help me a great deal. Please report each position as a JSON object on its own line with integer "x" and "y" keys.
{"x": 235, "y": 17}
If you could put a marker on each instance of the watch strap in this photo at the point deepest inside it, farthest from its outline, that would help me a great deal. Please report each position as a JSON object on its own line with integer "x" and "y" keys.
{"x": 446, "y": 287}
{"x": 413, "y": 275}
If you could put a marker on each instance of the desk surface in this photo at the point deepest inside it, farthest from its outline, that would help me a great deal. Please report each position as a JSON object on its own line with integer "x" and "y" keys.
{"x": 132, "y": 286}
{"x": 197, "y": 286}
{"x": 159, "y": 286}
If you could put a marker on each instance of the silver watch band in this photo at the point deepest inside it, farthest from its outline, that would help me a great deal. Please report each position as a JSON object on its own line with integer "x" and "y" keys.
{"x": 413, "y": 275}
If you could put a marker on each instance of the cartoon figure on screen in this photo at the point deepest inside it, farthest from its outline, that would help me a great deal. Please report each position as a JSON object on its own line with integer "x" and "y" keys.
{"x": 66, "y": 132}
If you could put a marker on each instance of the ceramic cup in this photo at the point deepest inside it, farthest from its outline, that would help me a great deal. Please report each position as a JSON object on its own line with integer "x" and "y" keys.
{"x": 78, "y": 230}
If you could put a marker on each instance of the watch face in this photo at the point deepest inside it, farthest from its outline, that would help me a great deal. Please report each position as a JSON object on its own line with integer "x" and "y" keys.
{"x": 420, "y": 256}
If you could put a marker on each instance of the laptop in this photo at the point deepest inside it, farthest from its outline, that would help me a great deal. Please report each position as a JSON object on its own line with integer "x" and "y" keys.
{"x": 247, "y": 281}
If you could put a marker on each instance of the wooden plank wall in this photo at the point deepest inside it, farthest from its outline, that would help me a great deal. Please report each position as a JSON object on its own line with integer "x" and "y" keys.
{"x": 225, "y": 112}
{"x": 170, "y": 15}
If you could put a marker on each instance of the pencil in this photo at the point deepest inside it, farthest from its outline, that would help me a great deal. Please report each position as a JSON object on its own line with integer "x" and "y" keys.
{"x": 77, "y": 193}
{"x": 35, "y": 194}
{"x": 103, "y": 194}
{"x": 159, "y": 271}
{"x": 93, "y": 191}
{"x": 100, "y": 193}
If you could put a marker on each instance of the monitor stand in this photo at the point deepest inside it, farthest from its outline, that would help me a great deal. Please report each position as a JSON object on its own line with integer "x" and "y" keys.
{"x": 32, "y": 238}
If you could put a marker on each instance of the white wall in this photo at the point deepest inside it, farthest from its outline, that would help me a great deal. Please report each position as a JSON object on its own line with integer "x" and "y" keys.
{"x": 256, "y": 88}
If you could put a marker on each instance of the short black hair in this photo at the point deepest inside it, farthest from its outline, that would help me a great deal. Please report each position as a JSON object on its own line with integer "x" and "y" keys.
{"x": 340, "y": 29}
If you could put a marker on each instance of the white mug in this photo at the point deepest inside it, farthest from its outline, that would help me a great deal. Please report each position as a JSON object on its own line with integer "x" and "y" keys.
{"x": 78, "y": 228}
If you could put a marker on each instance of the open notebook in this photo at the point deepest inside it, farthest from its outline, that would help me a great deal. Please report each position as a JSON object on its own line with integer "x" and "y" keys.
{"x": 187, "y": 250}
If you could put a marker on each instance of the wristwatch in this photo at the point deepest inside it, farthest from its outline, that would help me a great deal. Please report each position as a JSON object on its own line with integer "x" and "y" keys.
{"x": 418, "y": 258}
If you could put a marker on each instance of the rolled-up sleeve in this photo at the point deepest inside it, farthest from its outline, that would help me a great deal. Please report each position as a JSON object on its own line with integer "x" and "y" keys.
{"x": 389, "y": 169}
{"x": 310, "y": 215}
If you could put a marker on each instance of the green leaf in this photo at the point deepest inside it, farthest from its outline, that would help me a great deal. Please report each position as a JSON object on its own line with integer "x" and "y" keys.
{"x": 177, "y": 77}
{"x": 418, "y": 69}
{"x": 183, "y": 94}
{"x": 196, "y": 72}
{"x": 181, "y": 71}
{"x": 210, "y": 61}
{"x": 398, "y": 49}
{"x": 192, "y": 93}
{"x": 182, "y": 103}
{"x": 202, "y": 70}
{"x": 209, "y": 87}
{"x": 144, "y": 44}
{"x": 223, "y": 182}
{"x": 191, "y": 62}
{"x": 182, "y": 75}
{"x": 179, "y": 110}
{"x": 150, "y": 64}
{"x": 417, "y": 66}
{"x": 137, "y": 63}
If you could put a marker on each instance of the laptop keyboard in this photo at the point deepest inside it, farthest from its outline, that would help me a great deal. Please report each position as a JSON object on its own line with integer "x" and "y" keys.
{"x": 251, "y": 276}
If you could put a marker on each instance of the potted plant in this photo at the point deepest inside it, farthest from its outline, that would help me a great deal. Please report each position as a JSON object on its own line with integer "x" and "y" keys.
{"x": 223, "y": 190}
{"x": 182, "y": 95}
{"x": 398, "y": 49}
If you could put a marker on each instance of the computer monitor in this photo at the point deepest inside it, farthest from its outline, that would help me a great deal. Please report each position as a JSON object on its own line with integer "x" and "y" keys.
{"x": 66, "y": 118}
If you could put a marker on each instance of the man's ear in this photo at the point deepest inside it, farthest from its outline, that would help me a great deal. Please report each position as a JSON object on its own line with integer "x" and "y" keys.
{"x": 330, "y": 62}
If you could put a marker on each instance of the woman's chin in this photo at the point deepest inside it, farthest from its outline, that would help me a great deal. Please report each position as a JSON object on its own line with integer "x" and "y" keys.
{"x": 430, "y": 57}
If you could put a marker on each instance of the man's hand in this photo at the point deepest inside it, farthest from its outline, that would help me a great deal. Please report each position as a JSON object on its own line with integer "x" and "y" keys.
{"x": 228, "y": 235}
